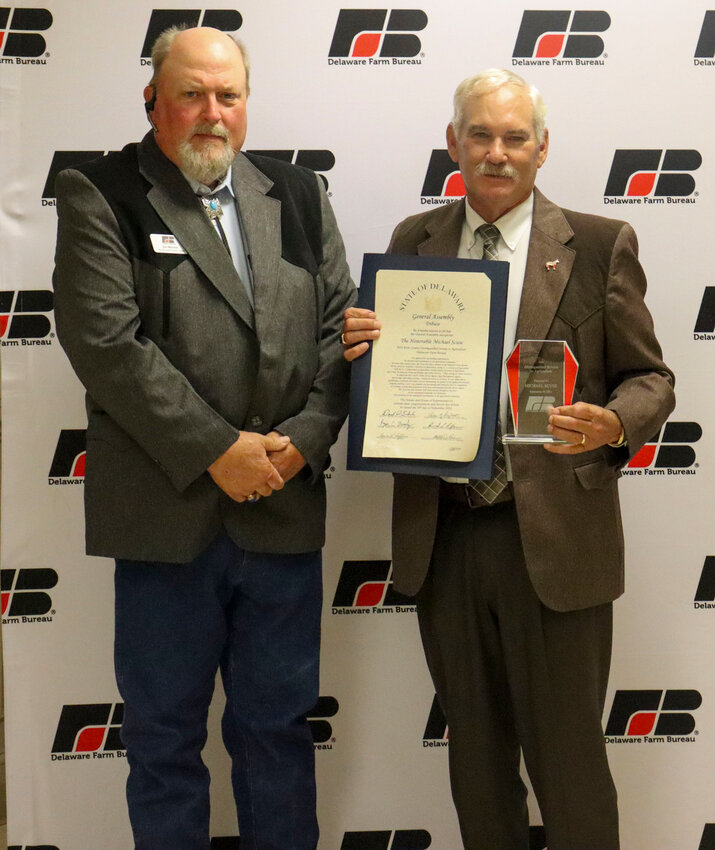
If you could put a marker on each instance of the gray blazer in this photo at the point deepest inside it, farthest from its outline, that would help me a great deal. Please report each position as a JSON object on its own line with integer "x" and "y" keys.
{"x": 176, "y": 361}
{"x": 568, "y": 508}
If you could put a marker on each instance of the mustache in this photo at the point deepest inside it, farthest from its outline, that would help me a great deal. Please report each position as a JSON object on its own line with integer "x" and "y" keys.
{"x": 488, "y": 169}
{"x": 211, "y": 130}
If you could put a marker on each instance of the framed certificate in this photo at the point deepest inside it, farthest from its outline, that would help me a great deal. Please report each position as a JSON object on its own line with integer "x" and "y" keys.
{"x": 424, "y": 398}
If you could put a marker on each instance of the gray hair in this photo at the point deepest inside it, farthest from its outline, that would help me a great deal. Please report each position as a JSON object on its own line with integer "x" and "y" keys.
{"x": 491, "y": 80}
{"x": 163, "y": 44}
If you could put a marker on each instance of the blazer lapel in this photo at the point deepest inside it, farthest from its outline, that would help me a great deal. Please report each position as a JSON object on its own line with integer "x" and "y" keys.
{"x": 180, "y": 209}
{"x": 261, "y": 220}
{"x": 548, "y": 267}
{"x": 444, "y": 233}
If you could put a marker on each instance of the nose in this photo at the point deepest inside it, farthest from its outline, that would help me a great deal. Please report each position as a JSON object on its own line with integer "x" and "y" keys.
{"x": 210, "y": 111}
{"x": 496, "y": 153}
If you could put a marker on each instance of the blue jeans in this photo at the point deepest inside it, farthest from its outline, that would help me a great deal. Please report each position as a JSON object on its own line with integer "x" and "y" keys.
{"x": 255, "y": 616}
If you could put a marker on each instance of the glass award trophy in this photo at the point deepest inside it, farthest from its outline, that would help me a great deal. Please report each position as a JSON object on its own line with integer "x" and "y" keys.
{"x": 541, "y": 375}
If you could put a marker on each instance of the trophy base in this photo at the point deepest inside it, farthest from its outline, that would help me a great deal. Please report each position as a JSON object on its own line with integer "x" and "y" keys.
{"x": 532, "y": 439}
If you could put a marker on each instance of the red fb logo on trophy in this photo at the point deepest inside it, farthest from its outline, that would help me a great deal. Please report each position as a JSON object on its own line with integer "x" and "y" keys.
{"x": 541, "y": 374}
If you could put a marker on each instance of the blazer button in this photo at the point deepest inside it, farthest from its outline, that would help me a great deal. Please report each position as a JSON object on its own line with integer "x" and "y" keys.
{"x": 256, "y": 421}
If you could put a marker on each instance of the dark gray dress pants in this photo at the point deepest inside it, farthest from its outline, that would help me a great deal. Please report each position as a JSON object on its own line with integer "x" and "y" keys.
{"x": 514, "y": 677}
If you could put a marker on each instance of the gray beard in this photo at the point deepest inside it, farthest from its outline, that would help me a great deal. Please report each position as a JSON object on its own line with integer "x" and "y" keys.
{"x": 207, "y": 166}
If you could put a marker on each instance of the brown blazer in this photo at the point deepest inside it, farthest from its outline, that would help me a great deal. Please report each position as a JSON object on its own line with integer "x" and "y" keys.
{"x": 568, "y": 507}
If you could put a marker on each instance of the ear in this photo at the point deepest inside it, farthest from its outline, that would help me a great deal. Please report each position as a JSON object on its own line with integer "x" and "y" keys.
{"x": 149, "y": 94}
{"x": 543, "y": 149}
{"x": 452, "y": 142}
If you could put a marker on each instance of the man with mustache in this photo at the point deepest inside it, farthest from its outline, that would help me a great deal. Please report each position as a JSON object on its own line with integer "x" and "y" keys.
{"x": 199, "y": 297}
{"x": 514, "y": 588}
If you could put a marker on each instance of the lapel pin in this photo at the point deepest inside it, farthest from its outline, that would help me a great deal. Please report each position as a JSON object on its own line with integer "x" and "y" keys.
{"x": 551, "y": 265}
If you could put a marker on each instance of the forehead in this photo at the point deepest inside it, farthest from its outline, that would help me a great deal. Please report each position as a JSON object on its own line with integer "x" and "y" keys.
{"x": 508, "y": 107}
{"x": 217, "y": 63}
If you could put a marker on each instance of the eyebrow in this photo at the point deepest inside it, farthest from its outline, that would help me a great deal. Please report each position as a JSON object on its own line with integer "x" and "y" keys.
{"x": 472, "y": 127}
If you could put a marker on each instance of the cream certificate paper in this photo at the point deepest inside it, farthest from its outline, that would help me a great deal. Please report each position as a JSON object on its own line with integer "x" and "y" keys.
{"x": 429, "y": 365}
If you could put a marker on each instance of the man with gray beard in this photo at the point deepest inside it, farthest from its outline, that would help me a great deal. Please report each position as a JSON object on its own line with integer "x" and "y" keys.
{"x": 199, "y": 298}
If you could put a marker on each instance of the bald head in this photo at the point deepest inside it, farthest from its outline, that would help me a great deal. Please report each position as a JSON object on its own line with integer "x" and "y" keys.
{"x": 164, "y": 42}
{"x": 197, "y": 100}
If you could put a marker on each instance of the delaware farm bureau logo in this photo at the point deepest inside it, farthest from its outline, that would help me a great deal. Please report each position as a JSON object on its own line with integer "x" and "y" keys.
{"x": 443, "y": 182}
{"x": 21, "y": 39}
{"x": 652, "y": 176}
{"x": 228, "y": 20}
{"x": 319, "y": 161}
{"x": 319, "y": 721}
{"x": 705, "y": 48}
{"x": 89, "y": 732}
{"x": 68, "y": 462}
{"x": 26, "y": 317}
{"x": 365, "y": 587}
{"x": 561, "y": 37}
{"x": 387, "y": 839}
{"x": 436, "y": 732}
{"x": 670, "y": 452}
{"x": 61, "y": 160}
{"x": 705, "y": 593}
{"x": 705, "y": 323}
{"x": 653, "y": 716}
{"x": 25, "y": 597}
{"x": 33, "y": 847}
{"x": 377, "y": 37}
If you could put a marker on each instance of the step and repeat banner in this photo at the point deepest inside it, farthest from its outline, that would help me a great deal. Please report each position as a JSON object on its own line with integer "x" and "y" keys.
{"x": 363, "y": 96}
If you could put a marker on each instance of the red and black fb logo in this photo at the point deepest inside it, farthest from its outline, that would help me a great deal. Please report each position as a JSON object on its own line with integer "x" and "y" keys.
{"x": 365, "y": 33}
{"x": 387, "y": 839}
{"x": 706, "y": 586}
{"x": 20, "y": 30}
{"x": 436, "y": 731}
{"x": 89, "y": 728}
{"x": 24, "y": 591}
{"x": 656, "y": 173}
{"x": 561, "y": 33}
{"x": 707, "y": 842}
{"x": 705, "y": 48}
{"x": 227, "y": 20}
{"x": 70, "y": 454}
{"x": 652, "y": 712}
{"x": 367, "y": 584}
{"x": 443, "y": 178}
{"x": 25, "y": 315}
{"x": 319, "y": 161}
{"x": 320, "y": 727}
{"x": 705, "y": 323}
{"x": 670, "y": 449}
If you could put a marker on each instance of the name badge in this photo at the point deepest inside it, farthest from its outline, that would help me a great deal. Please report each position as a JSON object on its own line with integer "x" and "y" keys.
{"x": 165, "y": 243}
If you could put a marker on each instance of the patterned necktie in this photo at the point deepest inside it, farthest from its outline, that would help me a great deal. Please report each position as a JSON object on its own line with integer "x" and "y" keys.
{"x": 490, "y": 490}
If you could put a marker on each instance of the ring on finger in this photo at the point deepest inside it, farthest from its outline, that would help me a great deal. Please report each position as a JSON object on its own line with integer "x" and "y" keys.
{"x": 583, "y": 440}
{"x": 254, "y": 497}
{"x": 342, "y": 339}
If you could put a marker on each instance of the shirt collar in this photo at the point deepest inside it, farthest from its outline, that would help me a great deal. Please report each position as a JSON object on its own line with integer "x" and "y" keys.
{"x": 203, "y": 189}
{"x": 512, "y": 225}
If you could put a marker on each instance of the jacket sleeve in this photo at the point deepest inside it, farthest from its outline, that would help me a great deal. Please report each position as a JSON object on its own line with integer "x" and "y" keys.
{"x": 99, "y": 327}
{"x": 316, "y": 427}
{"x": 642, "y": 394}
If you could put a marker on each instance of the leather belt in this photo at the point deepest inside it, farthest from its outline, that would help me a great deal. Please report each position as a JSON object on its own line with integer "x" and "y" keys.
{"x": 463, "y": 494}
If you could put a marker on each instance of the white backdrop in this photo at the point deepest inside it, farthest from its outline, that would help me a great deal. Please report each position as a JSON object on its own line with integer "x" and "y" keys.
{"x": 630, "y": 90}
